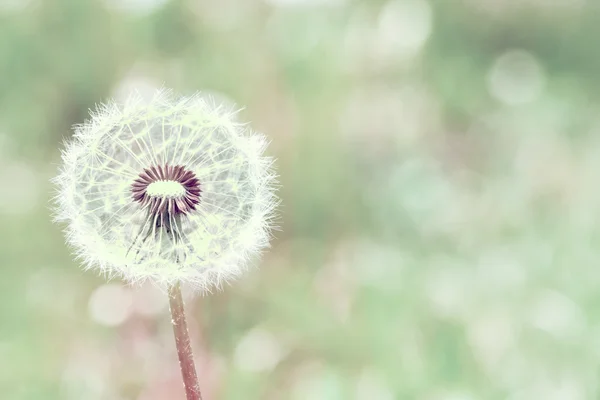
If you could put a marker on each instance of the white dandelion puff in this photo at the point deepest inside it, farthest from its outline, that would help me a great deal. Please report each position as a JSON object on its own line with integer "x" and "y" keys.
{"x": 168, "y": 190}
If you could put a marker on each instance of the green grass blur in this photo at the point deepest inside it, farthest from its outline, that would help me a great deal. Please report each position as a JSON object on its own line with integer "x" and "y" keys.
{"x": 440, "y": 171}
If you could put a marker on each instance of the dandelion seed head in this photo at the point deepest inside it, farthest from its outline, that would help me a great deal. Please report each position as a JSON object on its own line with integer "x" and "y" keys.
{"x": 168, "y": 190}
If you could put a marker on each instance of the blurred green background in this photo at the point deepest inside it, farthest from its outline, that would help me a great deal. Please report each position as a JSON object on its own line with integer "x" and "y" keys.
{"x": 440, "y": 170}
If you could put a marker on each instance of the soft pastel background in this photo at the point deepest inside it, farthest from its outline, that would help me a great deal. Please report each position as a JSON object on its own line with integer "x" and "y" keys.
{"x": 440, "y": 170}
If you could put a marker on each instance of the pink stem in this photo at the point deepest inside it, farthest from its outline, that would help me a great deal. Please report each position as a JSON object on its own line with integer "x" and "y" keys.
{"x": 184, "y": 347}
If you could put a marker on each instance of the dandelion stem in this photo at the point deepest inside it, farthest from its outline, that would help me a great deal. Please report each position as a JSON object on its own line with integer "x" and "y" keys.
{"x": 184, "y": 347}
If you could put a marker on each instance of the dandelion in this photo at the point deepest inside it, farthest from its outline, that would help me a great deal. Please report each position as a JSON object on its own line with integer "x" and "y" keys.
{"x": 171, "y": 190}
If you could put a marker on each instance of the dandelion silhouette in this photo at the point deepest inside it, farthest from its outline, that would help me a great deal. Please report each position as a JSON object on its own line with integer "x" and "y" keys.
{"x": 171, "y": 190}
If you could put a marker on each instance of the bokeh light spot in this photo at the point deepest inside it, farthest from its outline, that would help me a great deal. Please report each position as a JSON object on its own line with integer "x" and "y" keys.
{"x": 110, "y": 304}
{"x": 516, "y": 77}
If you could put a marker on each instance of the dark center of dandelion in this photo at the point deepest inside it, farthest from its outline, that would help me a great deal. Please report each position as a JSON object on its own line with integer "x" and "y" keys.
{"x": 167, "y": 191}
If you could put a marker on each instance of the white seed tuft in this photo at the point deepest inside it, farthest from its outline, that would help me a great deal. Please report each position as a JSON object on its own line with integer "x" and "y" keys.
{"x": 207, "y": 243}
